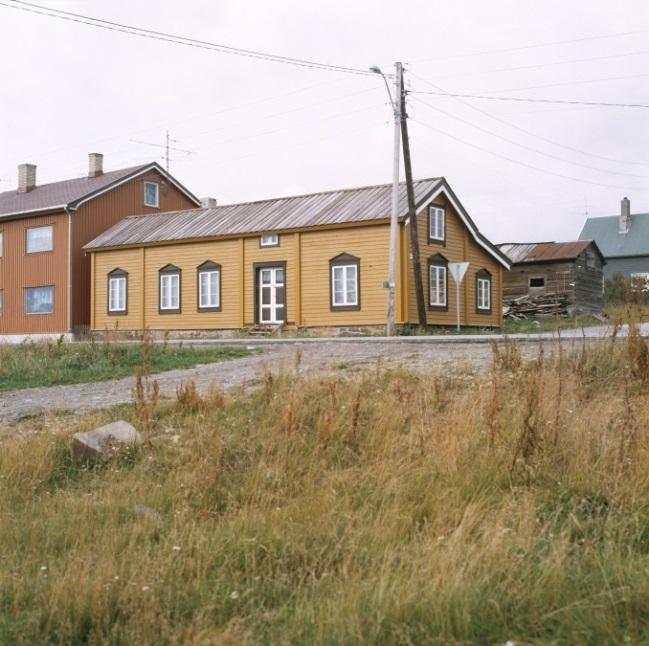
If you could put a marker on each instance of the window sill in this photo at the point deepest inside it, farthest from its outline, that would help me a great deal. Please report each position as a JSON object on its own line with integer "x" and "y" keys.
{"x": 170, "y": 311}
{"x": 344, "y": 308}
{"x": 202, "y": 310}
{"x": 438, "y": 308}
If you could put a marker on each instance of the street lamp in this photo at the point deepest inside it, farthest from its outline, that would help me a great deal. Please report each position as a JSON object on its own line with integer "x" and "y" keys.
{"x": 394, "y": 217}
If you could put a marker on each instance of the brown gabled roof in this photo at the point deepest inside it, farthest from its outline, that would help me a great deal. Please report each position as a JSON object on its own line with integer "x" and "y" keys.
{"x": 71, "y": 193}
{"x": 525, "y": 252}
{"x": 343, "y": 206}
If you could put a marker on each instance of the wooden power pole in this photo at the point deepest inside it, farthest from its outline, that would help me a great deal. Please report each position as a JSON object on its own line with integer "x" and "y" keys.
{"x": 412, "y": 213}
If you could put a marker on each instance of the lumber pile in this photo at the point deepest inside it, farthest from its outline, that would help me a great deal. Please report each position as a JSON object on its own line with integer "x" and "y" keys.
{"x": 539, "y": 306}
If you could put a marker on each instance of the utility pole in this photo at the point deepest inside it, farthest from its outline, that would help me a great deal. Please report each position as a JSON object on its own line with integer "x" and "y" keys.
{"x": 412, "y": 213}
{"x": 394, "y": 217}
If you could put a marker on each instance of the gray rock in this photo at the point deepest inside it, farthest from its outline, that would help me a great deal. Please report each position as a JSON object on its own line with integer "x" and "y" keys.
{"x": 104, "y": 442}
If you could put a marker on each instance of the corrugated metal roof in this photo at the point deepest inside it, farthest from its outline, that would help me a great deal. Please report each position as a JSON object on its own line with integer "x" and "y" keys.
{"x": 543, "y": 251}
{"x": 316, "y": 209}
{"x": 285, "y": 213}
{"x": 59, "y": 194}
{"x": 613, "y": 244}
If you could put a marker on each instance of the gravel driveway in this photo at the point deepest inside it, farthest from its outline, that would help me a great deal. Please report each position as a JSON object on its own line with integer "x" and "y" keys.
{"x": 326, "y": 356}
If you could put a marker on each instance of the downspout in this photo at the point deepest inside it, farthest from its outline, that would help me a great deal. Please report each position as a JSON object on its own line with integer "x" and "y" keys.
{"x": 69, "y": 270}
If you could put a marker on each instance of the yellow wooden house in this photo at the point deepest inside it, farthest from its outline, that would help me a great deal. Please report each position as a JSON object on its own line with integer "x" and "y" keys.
{"x": 315, "y": 260}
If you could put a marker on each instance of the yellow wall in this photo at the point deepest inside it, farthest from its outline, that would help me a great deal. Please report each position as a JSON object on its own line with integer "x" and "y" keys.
{"x": 307, "y": 255}
{"x": 459, "y": 247}
{"x": 307, "y": 280}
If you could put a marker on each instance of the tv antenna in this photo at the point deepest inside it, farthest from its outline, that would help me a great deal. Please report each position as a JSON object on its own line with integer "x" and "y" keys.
{"x": 168, "y": 148}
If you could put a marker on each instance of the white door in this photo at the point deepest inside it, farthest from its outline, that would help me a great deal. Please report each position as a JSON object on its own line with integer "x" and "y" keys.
{"x": 271, "y": 295}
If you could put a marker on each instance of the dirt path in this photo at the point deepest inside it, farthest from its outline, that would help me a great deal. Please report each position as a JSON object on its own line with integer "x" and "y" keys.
{"x": 327, "y": 356}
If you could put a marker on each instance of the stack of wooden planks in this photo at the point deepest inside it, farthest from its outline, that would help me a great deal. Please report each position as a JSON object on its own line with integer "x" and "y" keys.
{"x": 537, "y": 306}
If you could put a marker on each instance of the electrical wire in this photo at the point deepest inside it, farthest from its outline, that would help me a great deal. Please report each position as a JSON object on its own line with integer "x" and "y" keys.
{"x": 571, "y": 83}
{"x": 523, "y": 146}
{"x": 520, "y": 163}
{"x": 529, "y": 100}
{"x": 176, "y": 39}
{"x": 542, "y": 65}
{"x": 529, "y": 132}
{"x": 534, "y": 46}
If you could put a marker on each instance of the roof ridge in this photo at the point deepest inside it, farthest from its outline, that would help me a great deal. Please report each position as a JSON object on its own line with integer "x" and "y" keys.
{"x": 272, "y": 199}
{"x": 75, "y": 179}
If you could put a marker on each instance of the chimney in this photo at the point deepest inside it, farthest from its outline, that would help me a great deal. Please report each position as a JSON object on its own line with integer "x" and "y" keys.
{"x": 26, "y": 177}
{"x": 95, "y": 164}
{"x": 625, "y": 215}
{"x": 208, "y": 202}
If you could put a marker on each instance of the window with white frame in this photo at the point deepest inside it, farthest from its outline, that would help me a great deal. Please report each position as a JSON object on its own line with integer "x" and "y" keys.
{"x": 345, "y": 282}
{"x": 483, "y": 291}
{"x": 209, "y": 286}
{"x": 271, "y": 240}
{"x": 39, "y": 300}
{"x": 169, "y": 289}
{"x": 436, "y": 224}
{"x": 437, "y": 279}
{"x": 117, "y": 291}
{"x": 151, "y": 194}
{"x": 38, "y": 239}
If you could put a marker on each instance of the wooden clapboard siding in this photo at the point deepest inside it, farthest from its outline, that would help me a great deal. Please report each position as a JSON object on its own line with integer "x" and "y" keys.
{"x": 129, "y": 261}
{"x": 458, "y": 247}
{"x": 285, "y": 252}
{"x": 100, "y": 213}
{"x": 19, "y": 270}
{"x": 371, "y": 245}
{"x": 307, "y": 254}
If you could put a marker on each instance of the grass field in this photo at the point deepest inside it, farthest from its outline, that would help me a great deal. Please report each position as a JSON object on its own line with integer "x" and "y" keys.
{"x": 388, "y": 508}
{"x": 48, "y": 364}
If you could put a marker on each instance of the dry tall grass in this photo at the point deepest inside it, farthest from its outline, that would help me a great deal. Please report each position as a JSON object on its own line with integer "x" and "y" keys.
{"x": 392, "y": 508}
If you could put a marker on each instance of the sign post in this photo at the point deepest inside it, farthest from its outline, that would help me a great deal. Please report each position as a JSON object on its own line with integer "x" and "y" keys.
{"x": 457, "y": 270}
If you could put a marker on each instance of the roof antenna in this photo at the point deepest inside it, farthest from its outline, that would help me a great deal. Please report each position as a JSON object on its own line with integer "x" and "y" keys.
{"x": 168, "y": 148}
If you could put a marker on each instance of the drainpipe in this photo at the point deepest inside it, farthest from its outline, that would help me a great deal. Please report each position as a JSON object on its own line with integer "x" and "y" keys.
{"x": 69, "y": 270}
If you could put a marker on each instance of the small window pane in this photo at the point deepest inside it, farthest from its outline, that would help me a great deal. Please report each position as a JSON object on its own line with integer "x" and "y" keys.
{"x": 39, "y": 239}
{"x": 537, "y": 282}
{"x": 270, "y": 240}
{"x": 150, "y": 194}
{"x": 39, "y": 300}
{"x": 279, "y": 276}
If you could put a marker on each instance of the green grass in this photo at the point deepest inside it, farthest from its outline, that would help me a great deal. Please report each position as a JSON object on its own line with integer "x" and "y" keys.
{"x": 48, "y": 364}
{"x": 389, "y": 508}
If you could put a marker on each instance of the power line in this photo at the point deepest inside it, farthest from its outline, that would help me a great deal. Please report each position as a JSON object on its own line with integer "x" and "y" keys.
{"x": 542, "y": 65}
{"x": 528, "y": 100}
{"x": 518, "y": 162}
{"x": 571, "y": 83}
{"x": 529, "y": 132}
{"x": 173, "y": 38}
{"x": 534, "y": 46}
{"x": 534, "y": 150}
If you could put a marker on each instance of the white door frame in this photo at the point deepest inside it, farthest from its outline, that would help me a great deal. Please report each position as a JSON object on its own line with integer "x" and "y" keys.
{"x": 270, "y": 279}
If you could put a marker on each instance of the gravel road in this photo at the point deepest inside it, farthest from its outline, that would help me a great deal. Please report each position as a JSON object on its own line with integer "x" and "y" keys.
{"x": 326, "y": 356}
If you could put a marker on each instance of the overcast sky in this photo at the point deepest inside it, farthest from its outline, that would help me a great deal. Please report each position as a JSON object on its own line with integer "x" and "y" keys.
{"x": 257, "y": 129}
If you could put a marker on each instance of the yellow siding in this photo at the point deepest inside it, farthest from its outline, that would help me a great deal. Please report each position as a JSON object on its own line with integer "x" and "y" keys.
{"x": 188, "y": 257}
{"x": 129, "y": 261}
{"x": 370, "y": 244}
{"x": 255, "y": 254}
{"x": 459, "y": 247}
{"x": 307, "y": 289}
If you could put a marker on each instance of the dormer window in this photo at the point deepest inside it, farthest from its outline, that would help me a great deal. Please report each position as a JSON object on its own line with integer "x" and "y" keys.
{"x": 151, "y": 194}
{"x": 436, "y": 224}
{"x": 270, "y": 240}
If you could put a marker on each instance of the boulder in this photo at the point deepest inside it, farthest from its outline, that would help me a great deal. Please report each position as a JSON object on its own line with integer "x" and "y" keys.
{"x": 104, "y": 442}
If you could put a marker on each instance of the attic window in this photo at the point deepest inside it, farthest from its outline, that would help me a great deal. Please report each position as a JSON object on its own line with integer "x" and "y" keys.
{"x": 271, "y": 240}
{"x": 151, "y": 194}
{"x": 537, "y": 282}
